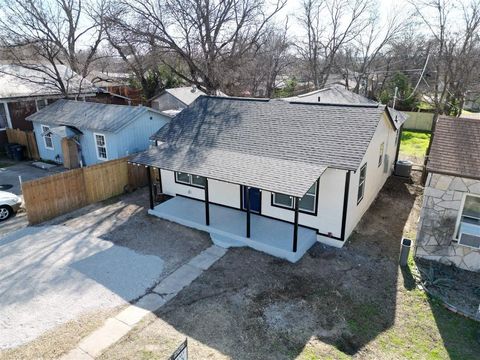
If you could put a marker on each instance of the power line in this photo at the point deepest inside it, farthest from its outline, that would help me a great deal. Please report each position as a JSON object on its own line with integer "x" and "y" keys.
{"x": 419, "y": 80}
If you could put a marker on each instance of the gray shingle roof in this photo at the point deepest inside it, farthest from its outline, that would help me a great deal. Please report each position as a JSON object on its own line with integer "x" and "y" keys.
{"x": 456, "y": 147}
{"x": 271, "y": 174}
{"x": 273, "y": 145}
{"x": 88, "y": 115}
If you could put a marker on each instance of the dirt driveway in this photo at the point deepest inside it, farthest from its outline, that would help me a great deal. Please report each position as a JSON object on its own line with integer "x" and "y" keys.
{"x": 58, "y": 282}
{"x": 333, "y": 304}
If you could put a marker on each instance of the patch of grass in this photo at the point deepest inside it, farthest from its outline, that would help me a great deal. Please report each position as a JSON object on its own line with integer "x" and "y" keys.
{"x": 414, "y": 143}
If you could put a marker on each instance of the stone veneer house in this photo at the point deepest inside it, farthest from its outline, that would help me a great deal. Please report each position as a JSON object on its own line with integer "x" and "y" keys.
{"x": 449, "y": 227}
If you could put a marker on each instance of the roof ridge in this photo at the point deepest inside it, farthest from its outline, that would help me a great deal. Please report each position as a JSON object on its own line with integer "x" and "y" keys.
{"x": 453, "y": 118}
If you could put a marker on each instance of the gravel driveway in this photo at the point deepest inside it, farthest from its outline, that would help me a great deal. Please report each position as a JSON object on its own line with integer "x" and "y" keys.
{"x": 60, "y": 281}
{"x": 51, "y": 274}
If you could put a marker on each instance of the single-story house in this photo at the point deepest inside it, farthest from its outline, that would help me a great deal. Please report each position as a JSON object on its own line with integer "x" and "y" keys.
{"x": 274, "y": 175}
{"x": 24, "y": 91}
{"x": 449, "y": 226}
{"x": 334, "y": 94}
{"x": 78, "y": 133}
{"x": 176, "y": 98}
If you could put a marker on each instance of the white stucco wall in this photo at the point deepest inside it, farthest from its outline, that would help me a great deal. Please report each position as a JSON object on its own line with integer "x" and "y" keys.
{"x": 219, "y": 192}
{"x": 376, "y": 176}
{"x": 328, "y": 220}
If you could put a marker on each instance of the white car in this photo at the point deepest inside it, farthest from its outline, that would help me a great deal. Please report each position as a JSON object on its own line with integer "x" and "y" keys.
{"x": 9, "y": 204}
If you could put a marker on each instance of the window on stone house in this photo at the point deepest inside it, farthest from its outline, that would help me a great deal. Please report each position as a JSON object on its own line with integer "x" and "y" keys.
{"x": 467, "y": 230}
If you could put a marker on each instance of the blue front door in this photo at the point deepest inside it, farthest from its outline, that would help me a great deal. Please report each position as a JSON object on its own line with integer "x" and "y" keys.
{"x": 255, "y": 199}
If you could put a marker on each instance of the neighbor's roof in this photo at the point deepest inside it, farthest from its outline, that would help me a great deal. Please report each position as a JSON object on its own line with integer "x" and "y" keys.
{"x": 456, "y": 148}
{"x": 335, "y": 94}
{"x": 21, "y": 82}
{"x": 271, "y": 144}
{"x": 186, "y": 95}
{"x": 88, "y": 115}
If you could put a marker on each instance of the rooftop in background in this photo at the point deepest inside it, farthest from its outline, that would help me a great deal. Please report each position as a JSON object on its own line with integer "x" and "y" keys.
{"x": 272, "y": 144}
{"x": 456, "y": 148}
{"x": 108, "y": 79}
{"x": 186, "y": 94}
{"x": 88, "y": 115}
{"x": 21, "y": 82}
{"x": 335, "y": 94}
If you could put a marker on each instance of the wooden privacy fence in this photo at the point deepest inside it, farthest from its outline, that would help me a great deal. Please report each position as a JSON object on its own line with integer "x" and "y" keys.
{"x": 25, "y": 138}
{"x": 51, "y": 196}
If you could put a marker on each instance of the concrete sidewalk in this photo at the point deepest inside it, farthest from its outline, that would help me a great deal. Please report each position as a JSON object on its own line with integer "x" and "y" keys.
{"x": 118, "y": 326}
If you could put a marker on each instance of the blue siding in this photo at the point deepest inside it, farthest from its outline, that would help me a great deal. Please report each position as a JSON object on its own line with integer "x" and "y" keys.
{"x": 135, "y": 137}
{"x": 132, "y": 138}
{"x": 47, "y": 154}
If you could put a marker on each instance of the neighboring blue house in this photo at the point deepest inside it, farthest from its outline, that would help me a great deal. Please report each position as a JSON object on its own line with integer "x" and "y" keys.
{"x": 79, "y": 133}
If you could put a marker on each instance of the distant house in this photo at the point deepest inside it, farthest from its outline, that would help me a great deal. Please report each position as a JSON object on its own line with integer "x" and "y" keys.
{"x": 449, "y": 227}
{"x": 271, "y": 174}
{"x": 334, "y": 94}
{"x": 176, "y": 98}
{"x": 24, "y": 91}
{"x": 84, "y": 133}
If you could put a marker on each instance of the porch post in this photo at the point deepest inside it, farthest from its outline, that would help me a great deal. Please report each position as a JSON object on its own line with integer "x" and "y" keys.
{"x": 207, "y": 204}
{"x": 248, "y": 211}
{"x": 295, "y": 225}
{"x": 160, "y": 187}
{"x": 150, "y": 190}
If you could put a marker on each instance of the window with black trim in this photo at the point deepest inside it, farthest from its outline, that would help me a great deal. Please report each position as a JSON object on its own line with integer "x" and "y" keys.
{"x": 361, "y": 183}
{"x": 380, "y": 156}
{"x": 189, "y": 179}
{"x": 307, "y": 202}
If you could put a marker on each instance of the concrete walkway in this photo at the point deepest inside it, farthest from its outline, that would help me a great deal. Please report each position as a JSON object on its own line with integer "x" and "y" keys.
{"x": 118, "y": 326}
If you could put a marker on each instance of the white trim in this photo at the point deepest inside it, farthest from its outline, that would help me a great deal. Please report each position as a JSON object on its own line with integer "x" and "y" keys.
{"x": 104, "y": 146}
{"x": 45, "y": 102}
{"x": 7, "y": 114}
{"x": 44, "y": 137}
{"x": 459, "y": 215}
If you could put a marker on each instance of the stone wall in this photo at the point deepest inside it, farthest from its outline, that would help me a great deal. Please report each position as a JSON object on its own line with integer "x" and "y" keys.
{"x": 442, "y": 200}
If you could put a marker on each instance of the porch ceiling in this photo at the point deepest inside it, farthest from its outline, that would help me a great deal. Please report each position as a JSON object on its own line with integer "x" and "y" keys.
{"x": 272, "y": 174}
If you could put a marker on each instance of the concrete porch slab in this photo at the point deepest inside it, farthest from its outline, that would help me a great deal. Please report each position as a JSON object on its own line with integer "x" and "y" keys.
{"x": 228, "y": 227}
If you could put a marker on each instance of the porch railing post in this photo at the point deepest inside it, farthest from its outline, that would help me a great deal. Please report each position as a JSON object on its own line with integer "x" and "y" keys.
{"x": 207, "y": 204}
{"x": 295, "y": 225}
{"x": 160, "y": 187}
{"x": 150, "y": 190}
{"x": 248, "y": 211}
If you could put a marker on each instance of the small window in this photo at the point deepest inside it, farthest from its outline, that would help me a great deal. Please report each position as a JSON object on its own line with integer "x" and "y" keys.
{"x": 47, "y": 137}
{"x": 101, "y": 145}
{"x": 283, "y": 200}
{"x": 468, "y": 222}
{"x": 307, "y": 202}
{"x": 361, "y": 183}
{"x": 189, "y": 179}
{"x": 41, "y": 104}
{"x": 3, "y": 116}
{"x": 380, "y": 155}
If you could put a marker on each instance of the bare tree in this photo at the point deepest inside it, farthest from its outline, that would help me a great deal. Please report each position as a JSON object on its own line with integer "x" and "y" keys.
{"x": 53, "y": 38}
{"x": 329, "y": 25}
{"x": 204, "y": 34}
{"x": 362, "y": 53}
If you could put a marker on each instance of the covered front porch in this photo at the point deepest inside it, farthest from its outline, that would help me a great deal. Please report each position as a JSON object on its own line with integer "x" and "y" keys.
{"x": 228, "y": 227}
